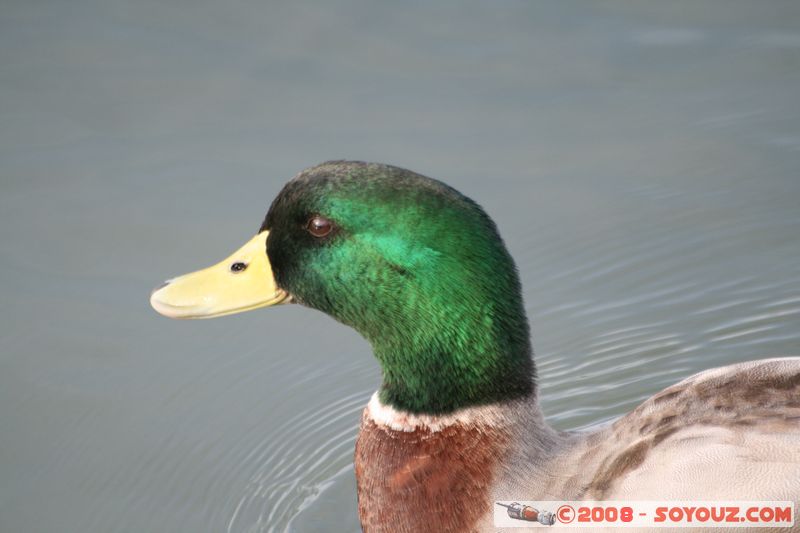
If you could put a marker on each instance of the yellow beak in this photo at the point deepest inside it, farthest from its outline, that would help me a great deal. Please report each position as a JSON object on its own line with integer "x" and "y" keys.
{"x": 242, "y": 282}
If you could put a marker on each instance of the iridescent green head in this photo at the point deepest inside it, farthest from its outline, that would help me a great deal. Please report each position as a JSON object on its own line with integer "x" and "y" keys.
{"x": 415, "y": 267}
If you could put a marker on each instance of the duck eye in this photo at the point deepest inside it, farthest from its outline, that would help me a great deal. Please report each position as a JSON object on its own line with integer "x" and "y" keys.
{"x": 238, "y": 267}
{"x": 319, "y": 226}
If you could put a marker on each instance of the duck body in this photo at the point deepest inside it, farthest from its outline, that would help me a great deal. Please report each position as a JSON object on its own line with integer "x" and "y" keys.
{"x": 421, "y": 272}
{"x": 731, "y": 433}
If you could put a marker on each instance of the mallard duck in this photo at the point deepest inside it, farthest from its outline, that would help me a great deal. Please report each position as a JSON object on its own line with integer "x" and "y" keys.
{"x": 422, "y": 273}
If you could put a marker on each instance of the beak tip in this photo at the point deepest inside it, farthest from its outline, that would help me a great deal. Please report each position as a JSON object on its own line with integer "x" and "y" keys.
{"x": 156, "y": 303}
{"x": 159, "y": 288}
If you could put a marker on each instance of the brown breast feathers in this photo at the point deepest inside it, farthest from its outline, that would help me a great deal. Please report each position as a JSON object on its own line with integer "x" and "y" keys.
{"x": 423, "y": 480}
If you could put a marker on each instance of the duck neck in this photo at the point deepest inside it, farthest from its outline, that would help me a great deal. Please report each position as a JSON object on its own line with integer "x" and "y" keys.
{"x": 437, "y": 365}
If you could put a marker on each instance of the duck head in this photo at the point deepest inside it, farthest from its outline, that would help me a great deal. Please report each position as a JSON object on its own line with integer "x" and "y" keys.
{"x": 413, "y": 265}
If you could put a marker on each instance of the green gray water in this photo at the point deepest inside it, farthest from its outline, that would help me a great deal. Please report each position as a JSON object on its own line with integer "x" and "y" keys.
{"x": 642, "y": 161}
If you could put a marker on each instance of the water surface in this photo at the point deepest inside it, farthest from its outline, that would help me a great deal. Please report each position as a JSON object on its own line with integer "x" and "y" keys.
{"x": 642, "y": 162}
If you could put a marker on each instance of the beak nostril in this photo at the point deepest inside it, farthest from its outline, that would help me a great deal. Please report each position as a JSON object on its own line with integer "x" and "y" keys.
{"x": 238, "y": 266}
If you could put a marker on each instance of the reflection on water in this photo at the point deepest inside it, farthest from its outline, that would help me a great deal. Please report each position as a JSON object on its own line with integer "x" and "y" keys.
{"x": 641, "y": 162}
